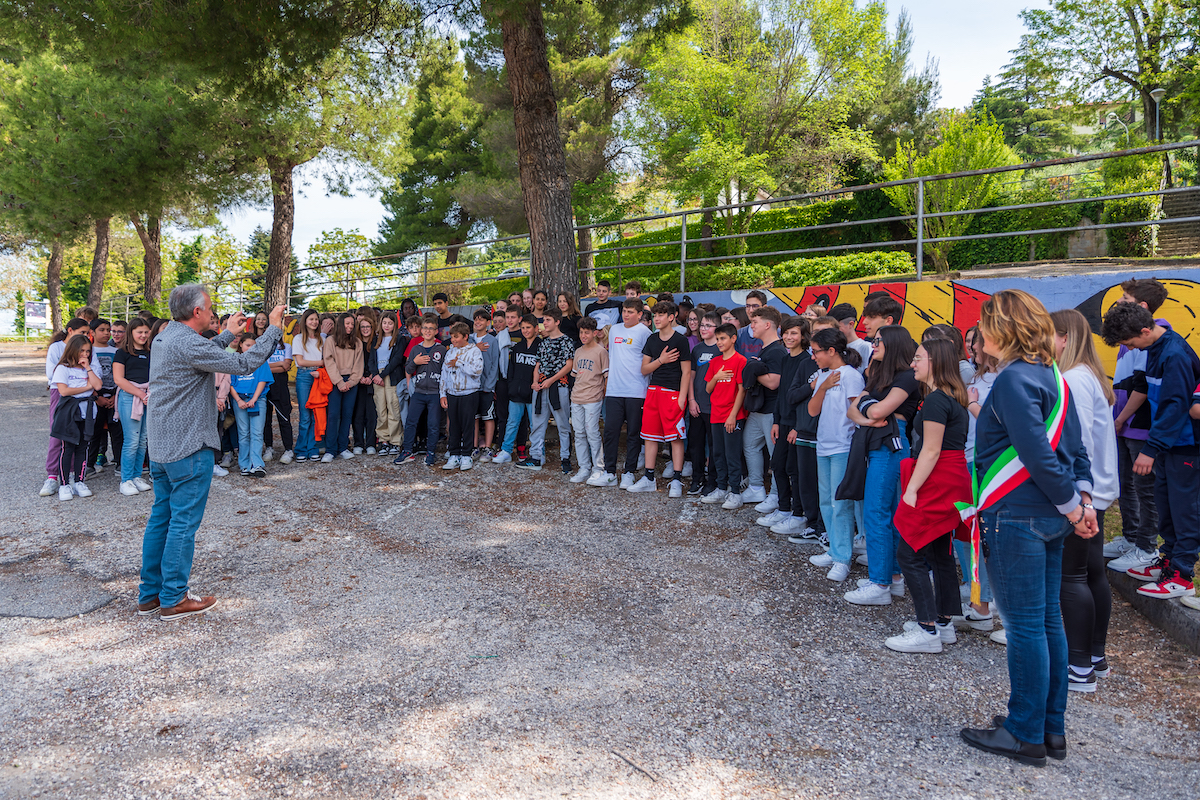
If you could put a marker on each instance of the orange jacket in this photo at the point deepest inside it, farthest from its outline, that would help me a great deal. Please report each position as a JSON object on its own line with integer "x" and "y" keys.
{"x": 318, "y": 400}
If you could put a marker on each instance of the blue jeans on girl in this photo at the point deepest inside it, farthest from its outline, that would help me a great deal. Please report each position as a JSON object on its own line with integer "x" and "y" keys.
{"x": 250, "y": 434}
{"x": 133, "y": 453}
{"x": 306, "y": 443}
{"x": 882, "y": 495}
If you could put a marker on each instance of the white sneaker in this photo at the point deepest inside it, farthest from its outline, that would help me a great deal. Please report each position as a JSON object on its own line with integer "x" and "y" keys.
{"x": 627, "y": 480}
{"x": 287, "y": 457}
{"x": 219, "y": 471}
{"x": 789, "y": 525}
{"x": 49, "y": 488}
{"x": 503, "y": 457}
{"x": 668, "y": 471}
{"x": 129, "y": 490}
{"x": 641, "y": 462}
{"x": 1118, "y": 547}
{"x": 81, "y": 490}
{"x": 970, "y": 618}
{"x": 346, "y": 454}
{"x": 65, "y": 493}
{"x": 1191, "y": 601}
{"x": 603, "y": 479}
{"x": 733, "y": 501}
{"x": 713, "y": 497}
{"x": 451, "y": 463}
{"x": 581, "y": 476}
{"x": 915, "y": 640}
{"x": 768, "y": 505}
{"x": 838, "y": 572}
{"x": 897, "y": 587}
{"x": 687, "y": 470}
{"x": 643, "y": 485}
{"x": 861, "y": 560}
{"x": 358, "y": 451}
{"x": 860, "y": 545}
{"x": 676, "y": 489}
{"x": 98, "y": 468}
{"x": 227, "y": 460}
{"x": 142, "y": 484}
{"x": 465, "y": 463}
{"x": 268, "y": 454}
{"x": 821, "y": 560}
{"x": 328, "y": 457}
{"x": 1133, "y": 559}
{"x": 371, "y": 451}
{"x": 755, "y": 494}
{"x": 870, "y": 595}
{"x": 772, "y": 517}
{"x": 1000, "y": 637}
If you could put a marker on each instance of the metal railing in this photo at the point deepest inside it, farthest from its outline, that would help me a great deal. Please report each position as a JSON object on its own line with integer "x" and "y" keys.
{"x": 358, "y": 280}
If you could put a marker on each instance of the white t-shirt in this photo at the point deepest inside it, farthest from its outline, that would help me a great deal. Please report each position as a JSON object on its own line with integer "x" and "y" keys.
{"x": 309, "y": 352}
{"x": 834, "y": 428}
{"x": 863, "y": 348}
{"x": 625, "y": 378}
{"x": 73, "y": 377}
{"x": 982, "y": 383}
{"x": 1097, "y": 432}
{"x": 54, "y": 355}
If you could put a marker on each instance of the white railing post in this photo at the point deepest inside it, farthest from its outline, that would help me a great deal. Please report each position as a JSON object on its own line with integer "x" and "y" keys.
{"x": 920, "y": 227}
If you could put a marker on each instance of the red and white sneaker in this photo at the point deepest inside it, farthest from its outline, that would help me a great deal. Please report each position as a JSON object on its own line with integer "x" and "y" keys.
{"x": 1150, "y": 572}
{"x": 1171, "y": 584}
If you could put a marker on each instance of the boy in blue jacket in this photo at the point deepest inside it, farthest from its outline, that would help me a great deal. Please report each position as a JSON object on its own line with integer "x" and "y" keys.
{"x": 1172, "y": 449}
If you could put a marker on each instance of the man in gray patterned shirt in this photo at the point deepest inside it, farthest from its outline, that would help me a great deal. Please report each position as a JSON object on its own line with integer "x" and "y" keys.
{"x": 181, "y": 436}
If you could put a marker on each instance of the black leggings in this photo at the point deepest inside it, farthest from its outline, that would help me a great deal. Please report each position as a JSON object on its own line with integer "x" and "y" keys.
{"x": 1085, "y": 597}
{"x": 785, "y": 471}
{"x": 365, "y": 416}
{"x": 810, "y": 501}
{"x": 699, "y": 436}
{"x": 279, "y": 405}
{"x": 73, "y": 460}
{"x": 939, "y": 599}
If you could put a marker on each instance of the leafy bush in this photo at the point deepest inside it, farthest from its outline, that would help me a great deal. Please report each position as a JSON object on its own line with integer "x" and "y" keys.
{"x": 1133, "y": 242}
{"x": 490, "y": 292}
{"x": 797, "y": 272}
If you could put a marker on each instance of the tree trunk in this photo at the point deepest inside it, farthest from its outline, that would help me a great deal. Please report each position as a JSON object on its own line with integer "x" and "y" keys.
{"x": 283, "y": 220}
{"x": 587, "y": 278}
{"x": 151, "y": 235}
{"x": 706, "y": 232}
{"x": 99, "y": 264}
{"x": 545, "y": 187}
{"x": 54, "y": 284}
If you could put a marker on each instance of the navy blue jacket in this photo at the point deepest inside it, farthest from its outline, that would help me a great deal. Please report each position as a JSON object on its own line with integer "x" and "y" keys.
{"x": 1172, "y": 374}
{"x": 1015, "y": 413}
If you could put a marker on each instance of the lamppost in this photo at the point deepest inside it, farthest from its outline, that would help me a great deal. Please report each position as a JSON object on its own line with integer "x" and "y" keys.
{"x": 1157, "y": 95}
{"x": 1110, "y": 119}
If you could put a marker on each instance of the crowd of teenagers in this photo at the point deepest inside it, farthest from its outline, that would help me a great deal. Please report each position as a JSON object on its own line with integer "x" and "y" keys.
{"x": 995, "y": 454}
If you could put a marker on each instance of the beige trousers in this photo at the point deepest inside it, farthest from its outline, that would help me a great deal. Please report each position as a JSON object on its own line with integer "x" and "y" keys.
{"x": 387, "y": 413}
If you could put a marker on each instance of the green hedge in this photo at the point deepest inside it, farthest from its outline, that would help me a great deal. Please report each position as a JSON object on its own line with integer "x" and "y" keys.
{"x": 1131, "y": 242}
{"x": 492, "y": 291}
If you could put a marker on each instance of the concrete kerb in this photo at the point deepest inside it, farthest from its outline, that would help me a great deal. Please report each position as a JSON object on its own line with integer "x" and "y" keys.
{"x": 1175, "y": 619}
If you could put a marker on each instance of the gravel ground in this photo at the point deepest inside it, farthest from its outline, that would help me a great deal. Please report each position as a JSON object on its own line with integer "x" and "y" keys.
{"x": 404, "y": 632}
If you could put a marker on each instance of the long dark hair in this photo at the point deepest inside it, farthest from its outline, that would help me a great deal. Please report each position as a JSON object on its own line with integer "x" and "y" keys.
{"x": 308, "y": 312}
{"x": 943, "y": 368}
{"x": 127, "y": 343}
{"x": 831, "y": 338}
{"x": 70, "y": 355}
{"x": 898, "y": 351}
{"x": 346, "y": 341}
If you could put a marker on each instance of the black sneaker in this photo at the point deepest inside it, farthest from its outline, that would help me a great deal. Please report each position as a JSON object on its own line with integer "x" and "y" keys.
{"x": 1100, "y": 668}
{"x": 695, "y": 488}
{"x": 1081, "y": 683}
{"x": 566, "y": 465}
{"x": 258, "y": 472}
{"x": 430, "y": 460}
{"x": 246, "y": 473}
{"x": 528, "y": 463}
{"x": 405, "y": 457}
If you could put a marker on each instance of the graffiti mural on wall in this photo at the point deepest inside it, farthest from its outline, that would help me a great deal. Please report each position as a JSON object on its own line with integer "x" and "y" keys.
{"x": 957, "y": 303}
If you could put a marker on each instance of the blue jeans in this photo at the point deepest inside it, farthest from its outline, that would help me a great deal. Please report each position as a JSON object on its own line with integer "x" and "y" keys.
{"x": 881, "y": 496}
{"x": 338, "y": 416}
{"x": 306, "y": 443}
{"x": 250, "y": 434}
{"x": 838, "y": 514}
{"x": 516, "y": 411}
{"x": 1024, "y": 563}
{"x": 180, "y": 494}
{"x": 432, "y": 405}
{"x": 133, "y": 451}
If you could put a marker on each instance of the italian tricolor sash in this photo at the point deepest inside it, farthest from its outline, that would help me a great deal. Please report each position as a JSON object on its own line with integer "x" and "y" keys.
{"x": 1006, "y": 474}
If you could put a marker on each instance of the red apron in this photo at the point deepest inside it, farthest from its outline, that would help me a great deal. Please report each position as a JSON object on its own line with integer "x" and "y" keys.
{"x": 935, "y": 514}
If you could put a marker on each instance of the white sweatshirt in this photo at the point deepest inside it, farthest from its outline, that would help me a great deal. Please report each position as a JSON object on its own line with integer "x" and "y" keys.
{"x": 1099, "y": 435}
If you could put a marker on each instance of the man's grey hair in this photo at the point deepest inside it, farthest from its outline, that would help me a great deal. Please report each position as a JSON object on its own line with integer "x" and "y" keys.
{"x": 185, "y": 300}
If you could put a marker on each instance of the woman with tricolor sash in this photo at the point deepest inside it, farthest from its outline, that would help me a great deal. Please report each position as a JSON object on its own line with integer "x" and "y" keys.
{"x": 933, "y": 483}
{"x": 1034, "y": 489}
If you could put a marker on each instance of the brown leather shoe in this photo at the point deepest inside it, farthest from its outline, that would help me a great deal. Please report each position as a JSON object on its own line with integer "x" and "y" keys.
{"x": 149, "y": 607}
{"x": 189, "y": 606}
